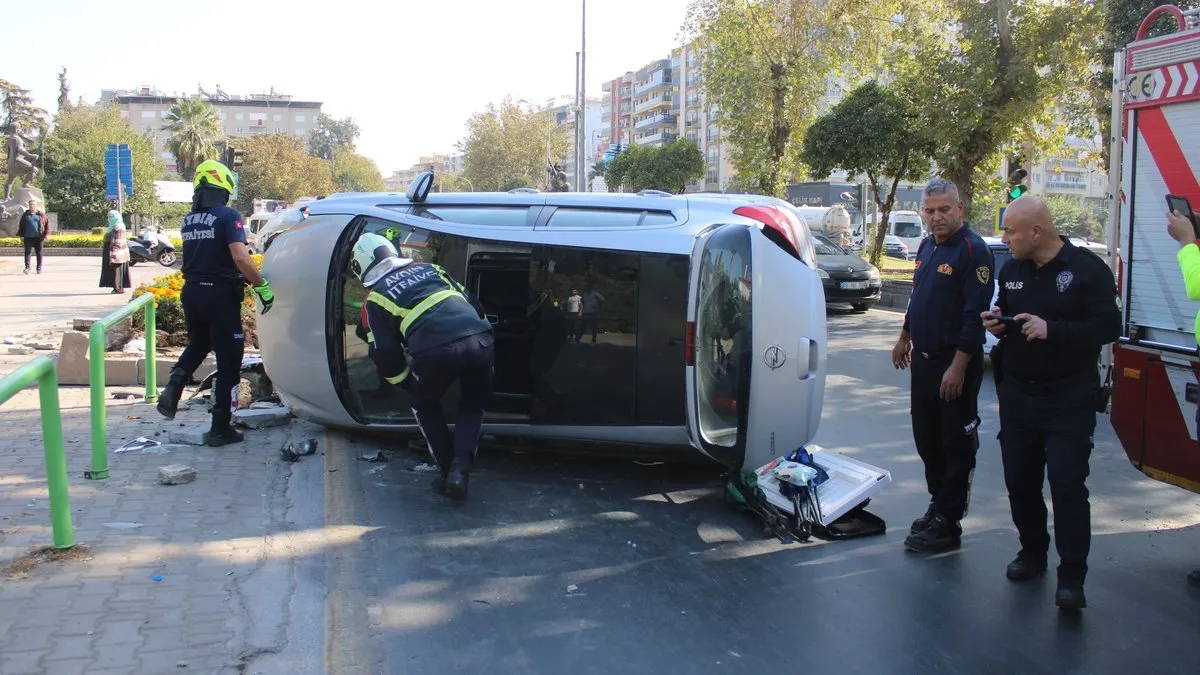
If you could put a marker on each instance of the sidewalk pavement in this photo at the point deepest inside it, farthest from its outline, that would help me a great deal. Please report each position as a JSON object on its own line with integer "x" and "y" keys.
{"x": 193, "y": 578}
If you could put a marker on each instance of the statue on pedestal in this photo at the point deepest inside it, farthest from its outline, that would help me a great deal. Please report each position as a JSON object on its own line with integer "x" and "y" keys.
{"x": 21, "y": 162}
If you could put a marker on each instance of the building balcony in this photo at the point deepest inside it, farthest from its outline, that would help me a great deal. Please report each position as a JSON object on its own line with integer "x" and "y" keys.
{"x": 653, "y": 104}
{"x": 651, "y": 86}
{"x": 656, "y": 139}
{"x": 605, "y": 116}
{"x": 656, "y": 121}
{"x": 1065, "y": 185}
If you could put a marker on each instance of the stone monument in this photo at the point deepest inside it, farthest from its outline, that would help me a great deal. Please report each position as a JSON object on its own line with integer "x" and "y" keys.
{"x": 21, "y": 164}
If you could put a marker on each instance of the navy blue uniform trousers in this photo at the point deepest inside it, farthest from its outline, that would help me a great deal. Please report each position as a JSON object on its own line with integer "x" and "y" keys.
{"x": 1047, "y": 429}
{"x": 213, "y": 310}
{"x": 946, "y": 433}
{"x": 468, "y": 360}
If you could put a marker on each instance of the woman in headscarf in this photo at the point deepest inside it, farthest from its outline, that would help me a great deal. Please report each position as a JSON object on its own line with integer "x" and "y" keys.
{"x": 114, "y": 261}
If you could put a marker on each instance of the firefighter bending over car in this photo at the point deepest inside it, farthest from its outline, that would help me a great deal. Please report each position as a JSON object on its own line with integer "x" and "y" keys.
{"x": 428, "y": 331}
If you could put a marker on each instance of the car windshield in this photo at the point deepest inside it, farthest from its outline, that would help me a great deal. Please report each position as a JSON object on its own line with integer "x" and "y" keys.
{"x": 908, "y": 229}
{"x": 826, "y": 247}
{"x": 1001, "y": 255}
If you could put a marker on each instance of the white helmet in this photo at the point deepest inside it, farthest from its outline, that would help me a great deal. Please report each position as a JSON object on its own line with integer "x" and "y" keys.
{"x": 369, "y": 251}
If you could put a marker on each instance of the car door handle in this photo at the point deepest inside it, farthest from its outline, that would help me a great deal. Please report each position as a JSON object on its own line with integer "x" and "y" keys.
{"x": 808, "y": 358}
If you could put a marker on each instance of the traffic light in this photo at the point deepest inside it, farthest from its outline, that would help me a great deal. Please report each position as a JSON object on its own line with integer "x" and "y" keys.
{"x": 237, "y": 157}
{"x": 1016, "y": 184}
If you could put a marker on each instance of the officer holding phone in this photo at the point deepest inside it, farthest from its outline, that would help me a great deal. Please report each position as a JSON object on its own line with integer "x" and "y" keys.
{"x": 1057, "y": 308}
{"x": 1181, "y": 225}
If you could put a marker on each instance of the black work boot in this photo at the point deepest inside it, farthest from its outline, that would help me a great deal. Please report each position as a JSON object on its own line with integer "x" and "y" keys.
{"x": 941, "y": 535}
{"x": 922, "y": 522}
{"x": 222, "y": 433}
{"x": 439, "y": 482}
{"x": 1026, "y": 566}
{"x": 1069, "y": 596}
{"x": 168, "y": 400}
{"x": 457, "y": 479}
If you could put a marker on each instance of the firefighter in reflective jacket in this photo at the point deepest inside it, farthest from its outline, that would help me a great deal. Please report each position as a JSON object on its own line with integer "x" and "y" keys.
{"x": 429, "y": 331}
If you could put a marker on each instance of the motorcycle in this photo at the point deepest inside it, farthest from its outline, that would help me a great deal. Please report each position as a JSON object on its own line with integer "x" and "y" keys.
{"x": 152, "y": 247}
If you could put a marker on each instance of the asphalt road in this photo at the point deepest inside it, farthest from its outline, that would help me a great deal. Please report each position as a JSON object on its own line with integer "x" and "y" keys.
{"x": 561, "y": 565}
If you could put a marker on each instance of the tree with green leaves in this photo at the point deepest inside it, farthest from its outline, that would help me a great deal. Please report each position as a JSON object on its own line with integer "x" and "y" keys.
{"x": 19, "y": 110}
{"x": 998, "y": 73}
{"x": 670, "y": 167}
{"x": 195, "y": 127}
{"x": 505, "y": 146}
{"x": 1073, "y": 218}
{"x": 278, "y": 166}
{"x": 74, "y": 181}
{"x": 354, "y": 173}
{"x": 331, "y": 136}
{"x": 872, "y": 131}
{"x": 769, "y": 63}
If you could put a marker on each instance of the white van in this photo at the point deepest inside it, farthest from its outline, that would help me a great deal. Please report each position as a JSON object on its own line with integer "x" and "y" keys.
{"x": 254, "y": 225}
{"x": 906, "y": 226}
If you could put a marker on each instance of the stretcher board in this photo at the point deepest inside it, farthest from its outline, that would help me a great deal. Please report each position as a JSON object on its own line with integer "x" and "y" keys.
{"x": 850, "y": 483}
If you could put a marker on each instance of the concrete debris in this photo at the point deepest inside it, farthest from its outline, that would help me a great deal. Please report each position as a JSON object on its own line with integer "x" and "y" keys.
{"x": 13, "y": 341}
{"x": 265, "y": 405}
{"x": 292, "y": 452}
{"x": 83, "y": 325}
{"x": 187, "y": 436}
{"x": 20, "y": 350}
{"x": 40, "y": 346}
{"x": 261, "y": 419}
{"x": 376, "y": 457}
{"x": 176, "y": 474}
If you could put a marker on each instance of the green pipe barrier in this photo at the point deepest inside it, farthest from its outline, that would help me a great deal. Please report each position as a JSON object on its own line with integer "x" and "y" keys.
{"x": 41, "y": 370}
{"x": 96, "y": 335}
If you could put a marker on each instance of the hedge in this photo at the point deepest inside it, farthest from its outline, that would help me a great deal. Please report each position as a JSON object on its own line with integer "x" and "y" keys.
{"x": 73, "y": 241}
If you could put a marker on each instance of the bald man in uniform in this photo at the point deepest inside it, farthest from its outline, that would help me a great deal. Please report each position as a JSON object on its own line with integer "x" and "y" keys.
{"x": 1057, "y": 308}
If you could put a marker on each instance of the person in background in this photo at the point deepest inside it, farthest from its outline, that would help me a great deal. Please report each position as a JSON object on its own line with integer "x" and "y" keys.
{"x": 34, "y": 228}
{"x": 575, "y": 314}
{"x": 113, "y": 274}
{"x": 1181, "y": 230}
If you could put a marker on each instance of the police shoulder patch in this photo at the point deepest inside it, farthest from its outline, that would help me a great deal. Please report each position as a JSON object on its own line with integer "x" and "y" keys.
{"x": 983, "y": 274}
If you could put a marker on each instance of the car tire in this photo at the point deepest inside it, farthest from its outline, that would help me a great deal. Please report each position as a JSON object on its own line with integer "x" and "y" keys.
{"x": 860, "y": 306}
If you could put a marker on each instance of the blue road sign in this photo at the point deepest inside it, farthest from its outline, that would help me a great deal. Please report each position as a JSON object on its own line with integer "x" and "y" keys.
{"x": 118, "y": 169}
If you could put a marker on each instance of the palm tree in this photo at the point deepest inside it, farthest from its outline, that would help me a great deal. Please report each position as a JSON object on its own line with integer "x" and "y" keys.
{"x": 195, "y": 127}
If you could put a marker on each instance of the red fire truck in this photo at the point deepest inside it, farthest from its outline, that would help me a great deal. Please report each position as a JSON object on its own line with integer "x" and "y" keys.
{"x": 1156, "y": 145}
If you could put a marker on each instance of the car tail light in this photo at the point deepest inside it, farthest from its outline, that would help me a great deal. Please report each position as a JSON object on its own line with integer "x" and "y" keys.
{"x": 778, "y": 225}
{"x": 689, "y": 344}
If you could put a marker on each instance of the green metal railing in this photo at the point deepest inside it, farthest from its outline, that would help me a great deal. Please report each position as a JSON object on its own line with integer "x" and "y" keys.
{"x": 96, "y": 335}
{"x": 41, "y": 370}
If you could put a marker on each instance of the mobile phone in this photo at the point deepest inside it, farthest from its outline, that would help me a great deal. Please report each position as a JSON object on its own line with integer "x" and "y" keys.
{"x": 1182, "y": 205}
{"x": 1007, "y": 320}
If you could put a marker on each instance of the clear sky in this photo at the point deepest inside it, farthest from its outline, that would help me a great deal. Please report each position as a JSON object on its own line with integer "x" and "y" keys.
{"x": 409, "y": 72}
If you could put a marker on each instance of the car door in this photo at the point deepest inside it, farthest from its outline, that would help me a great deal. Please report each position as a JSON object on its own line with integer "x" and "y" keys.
{"x": 756, "y": 353}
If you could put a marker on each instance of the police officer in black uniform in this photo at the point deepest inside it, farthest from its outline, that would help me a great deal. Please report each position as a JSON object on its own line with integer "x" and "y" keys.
{"x": 1060, "y": 308}
{"x": 429, "y": 331}
{"x": 216, "y": 267}
{"x": 942, "y": 340}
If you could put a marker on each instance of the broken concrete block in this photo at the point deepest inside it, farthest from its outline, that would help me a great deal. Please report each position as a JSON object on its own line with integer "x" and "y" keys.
{"x": 83, "y": 325}
{"x": 42, "y": 346}
{"x": 13, "y": 340}
{"x": 264, "y": 405}
{"x": 261, "y": 419}
{"x": 20, "y": 351}
{"x": 176, "y": 474}
{"x": 187, "y": 436}
{"x": 73, "y": 364}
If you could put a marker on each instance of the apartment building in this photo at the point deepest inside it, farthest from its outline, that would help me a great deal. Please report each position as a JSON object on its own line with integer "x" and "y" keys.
{"x": 145, "y": 108}
{"x": 662, "y": 101}
{"x": 1068, "y": 173}
{"x": 439, "y": 164}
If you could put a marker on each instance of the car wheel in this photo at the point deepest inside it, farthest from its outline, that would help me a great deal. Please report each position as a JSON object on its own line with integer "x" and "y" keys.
{"x": 860, "y": 306}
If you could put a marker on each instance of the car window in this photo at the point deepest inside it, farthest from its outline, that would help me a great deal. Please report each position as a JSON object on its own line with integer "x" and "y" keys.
{"x": 908, "y": 229}
{"x": 1002, "y": 256}
{"x": 826, "y": 247}
{"x": 488, "y": 216}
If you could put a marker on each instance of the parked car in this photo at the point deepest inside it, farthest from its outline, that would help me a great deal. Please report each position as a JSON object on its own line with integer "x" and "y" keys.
{"x": 1002, "y": 255}
{"x": 846, "y": 277}
{"x": 894, "y": 247}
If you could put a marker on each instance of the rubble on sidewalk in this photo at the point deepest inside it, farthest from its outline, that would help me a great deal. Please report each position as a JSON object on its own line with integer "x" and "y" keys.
{"x": 20, "y": 350}
{"x": 176, "y": 474}
{"x": 262, "y": 418}
{"x": 292, "y": 452}
{"x": 187, "y": 436}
